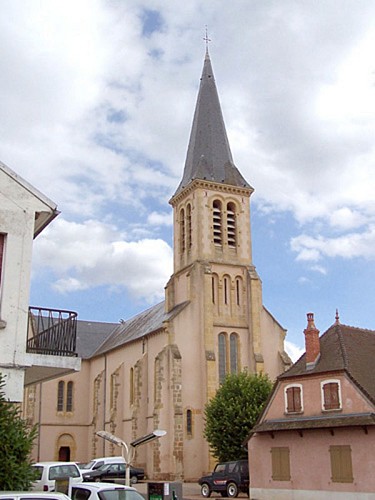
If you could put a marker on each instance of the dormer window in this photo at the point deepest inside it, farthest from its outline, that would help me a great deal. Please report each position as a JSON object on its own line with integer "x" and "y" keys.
{"x": 293, "y": 399}
{"x": 331, "y": 398}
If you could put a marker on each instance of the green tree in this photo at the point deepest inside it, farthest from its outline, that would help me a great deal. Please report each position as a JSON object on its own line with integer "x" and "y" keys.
{"x": 16, "y": 441}
{"x": 232, "y": 413}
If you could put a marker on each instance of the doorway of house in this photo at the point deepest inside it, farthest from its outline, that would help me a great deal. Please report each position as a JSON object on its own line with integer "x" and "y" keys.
{"x": 64, "y": 454}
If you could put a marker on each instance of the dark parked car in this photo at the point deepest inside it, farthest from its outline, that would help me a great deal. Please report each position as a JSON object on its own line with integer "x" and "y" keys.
{"x": 228, "y": 478}
{"x": 114, "y": 473}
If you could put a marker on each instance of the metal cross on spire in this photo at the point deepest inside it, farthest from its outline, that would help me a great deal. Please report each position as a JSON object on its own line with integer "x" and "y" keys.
{"x": 206, "y": 39}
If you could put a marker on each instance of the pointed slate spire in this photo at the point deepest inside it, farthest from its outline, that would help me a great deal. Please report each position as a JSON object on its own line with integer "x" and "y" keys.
{"x": 209, "y": 156}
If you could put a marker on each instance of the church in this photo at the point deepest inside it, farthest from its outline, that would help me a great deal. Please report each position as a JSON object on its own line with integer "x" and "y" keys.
{"x": 158, "y": 369}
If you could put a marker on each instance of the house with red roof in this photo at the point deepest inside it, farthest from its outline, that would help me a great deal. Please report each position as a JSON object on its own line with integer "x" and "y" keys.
{"x": 316, "y": 436}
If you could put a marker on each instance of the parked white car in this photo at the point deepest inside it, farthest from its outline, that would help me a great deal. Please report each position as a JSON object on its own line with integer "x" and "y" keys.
{"x": 30, "y": 495}
{"x": 48, "y": 472}
{"x": 95, "y": 463}
{"x": 104, "y": 491}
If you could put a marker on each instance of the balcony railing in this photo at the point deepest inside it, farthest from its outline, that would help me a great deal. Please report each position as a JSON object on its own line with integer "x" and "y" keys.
{"x": 52, "y": 331}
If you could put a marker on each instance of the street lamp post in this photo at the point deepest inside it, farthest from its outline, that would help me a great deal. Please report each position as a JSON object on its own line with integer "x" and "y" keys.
{"x": 128, "y": 451}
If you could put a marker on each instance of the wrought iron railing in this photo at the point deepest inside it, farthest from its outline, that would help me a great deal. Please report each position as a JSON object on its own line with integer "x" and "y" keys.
{"x": 52, "y": 331}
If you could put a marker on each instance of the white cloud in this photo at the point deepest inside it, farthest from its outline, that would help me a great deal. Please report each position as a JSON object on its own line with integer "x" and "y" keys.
{"x": 97, "y": 117}
{"x": 91, "y": 254}
{"x": 160, "y": 219}
{"x": 348, "y": 246}
{"x": 294, "y": 351}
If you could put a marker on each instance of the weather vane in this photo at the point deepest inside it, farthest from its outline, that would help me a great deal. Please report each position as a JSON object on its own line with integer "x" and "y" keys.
{"x": 206, "y": 39}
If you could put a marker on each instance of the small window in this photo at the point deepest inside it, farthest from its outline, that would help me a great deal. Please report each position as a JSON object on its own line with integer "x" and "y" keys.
{"x": 131, "y": 384}
{"x": 189, "y": 422}
{"x": 280, "y": 464}
{"x": 226, "y": 290}
{"x": 182, "y": 230}
{"x": 69, "y": 396}
{"x": 222, "y": 357}
{"x": 293, "y": 399}
{"x": 188, "y": 227}
{"x": 331, "y": 395}
{"x": 341, "y": 464}
{"x": 60, "y": 395}
{"x": 238, "y": 291}
{"x": 233, "y": 353}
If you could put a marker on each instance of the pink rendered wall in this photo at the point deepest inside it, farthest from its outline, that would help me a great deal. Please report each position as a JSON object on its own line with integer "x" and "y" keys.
{"x": 352, "y": 400}
{"x": 310, "y": 466}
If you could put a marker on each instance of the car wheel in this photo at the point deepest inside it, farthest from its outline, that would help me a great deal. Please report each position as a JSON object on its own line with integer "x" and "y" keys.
{"x": 133, "y": 480}
{"x": 205, "y": 490}
{"x": 232, "y": 490}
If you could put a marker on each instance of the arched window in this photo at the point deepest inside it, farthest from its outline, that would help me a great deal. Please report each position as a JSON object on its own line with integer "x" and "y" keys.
{"x": 131, "y": 386}
{"x": 233, "y": 353}
{"x": 69, "y": 396}
{"x": 182, "y": 230}
{"x": 217, "y": 223}
{"x": 238, "y": 291}
{"x": 226, "y": 283}
{"x": 60, "y": 395}
{"x": 214, "y": 291}
{"x": 222, "y": 357}
{"x": 231, "y": 224}
{"x": 188, "y": 227}
{"x": 189, "y": 422}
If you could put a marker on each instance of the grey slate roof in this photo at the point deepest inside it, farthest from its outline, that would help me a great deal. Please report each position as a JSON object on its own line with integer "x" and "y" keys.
{"x": 91, "y": 334}
{"x": 147, "y": 322}
{"x": 343, "y": 348}
{"x": 209, "y": 156}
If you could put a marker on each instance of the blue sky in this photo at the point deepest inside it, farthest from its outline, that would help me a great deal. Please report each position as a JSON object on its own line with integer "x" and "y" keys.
{"x": 97, "y": 104}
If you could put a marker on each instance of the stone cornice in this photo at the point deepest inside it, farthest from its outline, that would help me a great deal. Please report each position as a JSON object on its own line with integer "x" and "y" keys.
{"x": 212, "y": 186}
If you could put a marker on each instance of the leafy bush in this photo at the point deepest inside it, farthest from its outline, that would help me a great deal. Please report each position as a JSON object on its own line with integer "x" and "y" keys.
{"x": 233, "y": 412}
{"x": 16, "y": 441}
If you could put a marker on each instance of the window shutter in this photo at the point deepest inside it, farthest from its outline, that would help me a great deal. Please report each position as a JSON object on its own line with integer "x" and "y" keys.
{"x": 331, "y": 396}
{"x": 341, "y": 464}
{"x": 280, "y": 464}
{"x": 293, "y": 395}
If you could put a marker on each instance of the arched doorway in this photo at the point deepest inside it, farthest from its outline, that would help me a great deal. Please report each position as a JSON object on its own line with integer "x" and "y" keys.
{"x": 64, "y": 454}
{"x": 66, "y": 448}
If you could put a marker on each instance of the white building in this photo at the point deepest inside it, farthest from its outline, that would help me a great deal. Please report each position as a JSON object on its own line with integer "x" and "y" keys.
{"x": 35, "y": 344}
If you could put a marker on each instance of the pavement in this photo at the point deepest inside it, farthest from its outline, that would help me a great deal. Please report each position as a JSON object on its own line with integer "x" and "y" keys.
{"x": 190, "y": 491}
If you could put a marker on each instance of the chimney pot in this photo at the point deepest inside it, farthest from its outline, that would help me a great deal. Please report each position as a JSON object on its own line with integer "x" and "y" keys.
{"x": 312, "y": 342}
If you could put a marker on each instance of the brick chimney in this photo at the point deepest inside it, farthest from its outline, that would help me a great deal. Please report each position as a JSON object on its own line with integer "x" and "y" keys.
{"x": 312, "y": 342}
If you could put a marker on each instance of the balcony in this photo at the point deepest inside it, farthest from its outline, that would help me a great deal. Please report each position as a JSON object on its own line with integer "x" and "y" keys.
{"x": 52, "y": 332}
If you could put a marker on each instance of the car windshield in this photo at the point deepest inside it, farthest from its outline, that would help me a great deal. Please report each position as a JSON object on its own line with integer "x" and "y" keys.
{"x": 119, "y": 495}
{"x": 104, "y": 467}
{"x": 60, "y": 471}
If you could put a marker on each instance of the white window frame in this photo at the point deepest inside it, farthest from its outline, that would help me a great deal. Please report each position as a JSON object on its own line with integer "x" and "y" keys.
{"x": 286, "y": 399}
{"x": 330, "y": 381}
